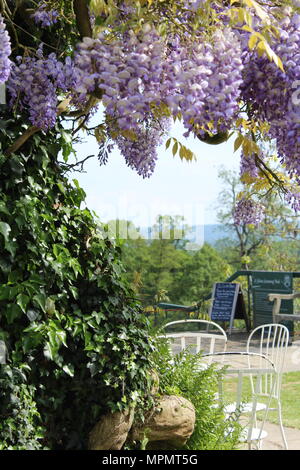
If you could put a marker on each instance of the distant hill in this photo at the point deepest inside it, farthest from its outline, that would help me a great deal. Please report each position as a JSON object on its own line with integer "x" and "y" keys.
{"x": 199, "y": 234}
{"x": 214, "y": 232}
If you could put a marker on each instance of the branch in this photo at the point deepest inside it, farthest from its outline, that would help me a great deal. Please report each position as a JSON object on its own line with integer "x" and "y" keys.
{"x": 32, "y": 130}
{"x": 82, "y": 18}
{"x": 21, "y": 140}
{"x": 266, "y": 170}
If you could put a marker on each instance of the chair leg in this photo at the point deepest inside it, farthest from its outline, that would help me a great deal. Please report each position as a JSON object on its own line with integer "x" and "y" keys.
{"x": 255, "y": 445}
{"x": 281, "y": 427}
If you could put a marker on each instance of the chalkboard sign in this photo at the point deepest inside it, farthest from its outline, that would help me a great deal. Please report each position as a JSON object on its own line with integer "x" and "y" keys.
{"x": 224, "y": 302}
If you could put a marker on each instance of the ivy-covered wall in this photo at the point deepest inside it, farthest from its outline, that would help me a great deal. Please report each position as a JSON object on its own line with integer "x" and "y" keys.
{"x": 74, "y": 333}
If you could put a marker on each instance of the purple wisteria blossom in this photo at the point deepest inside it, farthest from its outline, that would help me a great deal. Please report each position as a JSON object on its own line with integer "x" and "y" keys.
{"x": 35, "y": 82}
{"x": 193, "y": 5}
{"x": 127, "y": 72}
{"x": 5, "y": 51}
{"x": 45, "y": 17}
{"x": 248, "y": 211}
{"x": 203, "y": 80}
{"x": 248, "y": 166}
{"x": 141, "y": 153}
{"x": 293, "y": 199}
{"x": 271, "y": 93}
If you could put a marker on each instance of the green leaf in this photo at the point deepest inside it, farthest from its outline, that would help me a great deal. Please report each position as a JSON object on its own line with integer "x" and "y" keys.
{"x": 76, "y": 183}
{"x": 13, "y": 311}
{"x": 5, "y": 230}
{"x": 69, "y": 369}
{"x": 22, "y": 301}
{"x": 66, "y": 136}
{"x": 4, "y": 292}
{"x": 3, "y": 208}
{"x": 40, "y": 300}
{"x": 238, "y": 142}
{"x": 252, "y": 41}
{"x": 49, "y": 351}
{"x": 175, "y": 148}
{"x": 61, "y": 337}
{"x": 50, "y": 306}
{"x": 61, "y": 187}
{"x": 31, "y": 341}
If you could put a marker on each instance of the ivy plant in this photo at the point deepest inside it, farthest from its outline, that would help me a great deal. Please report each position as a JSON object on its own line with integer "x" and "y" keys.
{"x": 67, "y": 312}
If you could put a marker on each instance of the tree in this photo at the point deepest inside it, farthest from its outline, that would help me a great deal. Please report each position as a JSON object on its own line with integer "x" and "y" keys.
{"x": 204, "y": 268}
{"x": 163, "y": 267}
{"x": 247, "y": 241}
{"x": 153, "y": 265}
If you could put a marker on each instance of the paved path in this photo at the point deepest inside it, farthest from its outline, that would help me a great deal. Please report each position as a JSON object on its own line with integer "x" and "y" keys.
{"x": 273, "y": 441}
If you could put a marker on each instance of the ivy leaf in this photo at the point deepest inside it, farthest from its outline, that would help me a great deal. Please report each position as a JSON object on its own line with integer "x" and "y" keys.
{"x": 40, "y": 300}
{"x": 5, "y": 230}
{"x": 22, "y": 301}
{"x": 13, "y": 311}
{"x": 69, "y": 369}
{"x": 61, "y": 337}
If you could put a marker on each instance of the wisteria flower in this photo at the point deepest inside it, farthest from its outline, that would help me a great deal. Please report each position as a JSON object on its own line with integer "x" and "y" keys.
{"x": 5, "y": 51}
{"x": 44, "y": 16}
{"x": 248, "y": 211}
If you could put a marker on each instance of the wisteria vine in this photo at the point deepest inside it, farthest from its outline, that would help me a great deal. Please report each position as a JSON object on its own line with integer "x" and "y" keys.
{"x": 145, "y": 78}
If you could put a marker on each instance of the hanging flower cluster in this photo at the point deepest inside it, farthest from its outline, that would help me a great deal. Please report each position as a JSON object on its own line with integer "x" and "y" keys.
{"x": 35, "y": 82}
{"x": 248, "y": 211}
{"x": 45, "y": 17}
{"x": 272, "y": 94}
{"x": 202, "y": 82}
{"x": 127, "y": 73}
{"x": 5, "y": 51}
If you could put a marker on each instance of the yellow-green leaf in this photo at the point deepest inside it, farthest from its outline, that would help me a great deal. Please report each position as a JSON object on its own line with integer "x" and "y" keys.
{"x": 175, "y": 148}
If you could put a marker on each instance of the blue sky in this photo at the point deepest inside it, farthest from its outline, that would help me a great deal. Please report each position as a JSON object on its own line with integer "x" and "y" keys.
{"x": 176, "y": 187}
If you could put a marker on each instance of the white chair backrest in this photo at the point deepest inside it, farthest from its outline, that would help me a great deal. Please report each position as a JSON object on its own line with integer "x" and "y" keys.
{"x": 270, "y": 340}
{"x": 209, "y": 339}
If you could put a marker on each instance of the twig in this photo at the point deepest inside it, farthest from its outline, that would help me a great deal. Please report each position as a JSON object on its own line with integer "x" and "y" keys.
{"x": 71, "y": 166}
{"x": 84, "y": 120}
{"x": 31, "y": 35}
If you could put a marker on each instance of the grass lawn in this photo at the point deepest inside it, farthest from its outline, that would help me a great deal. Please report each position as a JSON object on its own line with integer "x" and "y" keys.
{"x": 290, "y": 399}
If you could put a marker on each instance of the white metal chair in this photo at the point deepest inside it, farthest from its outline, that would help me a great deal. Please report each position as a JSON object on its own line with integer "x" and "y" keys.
{"x": 271, "y": 341}
{"x": 239, "y": 366}
{"x": 208, "y": 338}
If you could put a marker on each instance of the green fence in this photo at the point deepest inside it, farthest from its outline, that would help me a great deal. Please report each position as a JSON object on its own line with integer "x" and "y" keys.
{"x": 259, "y": 285}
